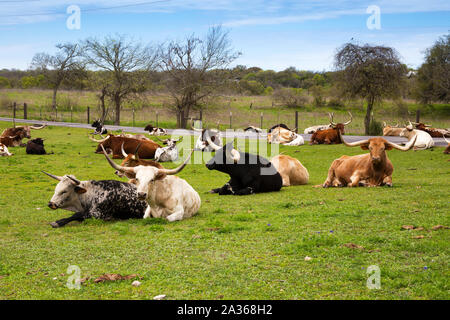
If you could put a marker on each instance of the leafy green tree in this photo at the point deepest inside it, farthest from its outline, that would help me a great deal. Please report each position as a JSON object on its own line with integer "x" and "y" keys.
{"x": 4, "y": 83}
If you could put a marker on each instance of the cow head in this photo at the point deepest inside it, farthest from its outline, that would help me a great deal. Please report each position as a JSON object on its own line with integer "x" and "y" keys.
{"x": 339, "y": 126}
{"x": 67, "y": 193}
{"x": 144, "y": 176}
{"x": 38, "y": 141}
{"x": 96, "y": 124}
{"x": 149, "y": 128}
{"x": 408, "y": 131}
{"x": 106, "y": 143}
{"x": 378, "y": 147}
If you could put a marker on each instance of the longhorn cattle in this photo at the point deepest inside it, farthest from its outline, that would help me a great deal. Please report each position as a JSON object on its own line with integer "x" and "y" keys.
{"x": 311, "y": 130}
{"x": 447, "y": 150}
{"x": 391, "y": 130}
{"x": 154, "y": 131}
{"x": 167, "y": 195}
{"x": 35, "y": 146}
{"x": 248, "y": 173}
{"x": 330, "y": 136}
{"x": 169, "y": 153}
{"x": 291, "y": 170}
{"x": 434, "y": 132}
{"x": 146, "y": 151}
{"x": 134, "y": 136}
{"x": 284, "y": 136}
{"x": 202, "y": 143}
{"x": 253, "y": 129}
{"x": 4, "y": 152}
{"x": 12, "y": 137}
{"x": 423, "y": 141}
{"x": 99, "y": 128}
{"x": 132, "y": 160}
{"x": 369, "y": 169}
{"x": 104, "y": 199}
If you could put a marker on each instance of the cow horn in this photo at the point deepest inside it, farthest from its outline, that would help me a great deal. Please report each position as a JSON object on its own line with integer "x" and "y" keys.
{"x": 52, "y": 176}
{"x": 136, "y": 152}
{"x": 409, "y": 126}
{"x": 331, "y": 115}
{"x": 195, "y": 129}
{"x": 77, "y": 182}
{"x": 233, "y": 154}
{"x": 396, "y": 124}
{"x": 443, "y": 136}
{"x": 123, "y": 151}
{"x": 351, "y": 118}
{"x": 212, "y": 144}
{"x": 100, "y": 141}
{"x": 115, "y": 165}
{"x": 38, "y": 128}
{"x": 408, "y": 146}
{"x": 384, "y": 124}
{"x": 427, "y": 125}
{"x": 352, "y": 144}
{"x": 176, "y": 170}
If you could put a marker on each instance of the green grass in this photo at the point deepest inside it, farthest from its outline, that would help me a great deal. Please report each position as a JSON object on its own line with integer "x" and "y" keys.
{"x": 250, "y": 247}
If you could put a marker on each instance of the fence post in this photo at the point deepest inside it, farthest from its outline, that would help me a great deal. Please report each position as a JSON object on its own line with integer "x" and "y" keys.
{"x": 40, "y": 112}
{"x": 418, "y": 115}
{"x": 25, "y": 111}
{"x": 157, "y": 116}
{"x": 88, "y": 114}
{"x": 296, "y": 121}
{"x": 56, "y": 113}
{"x": 201, "y": 115}
{"x": 14, "y": 114}
{"x": 71, "y": 114}
{"x": 261, "y": 124}
{"x": 133, "y": 116}
{"x": 231, "y": 120}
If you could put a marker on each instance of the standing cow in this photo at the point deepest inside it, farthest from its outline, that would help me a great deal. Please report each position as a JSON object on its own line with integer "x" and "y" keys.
{"x": 330, "y": 136}
{"x": 104, "y": 199}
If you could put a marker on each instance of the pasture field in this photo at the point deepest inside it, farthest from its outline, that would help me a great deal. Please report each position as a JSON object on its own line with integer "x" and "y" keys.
{"x": 217, "y": 109}
{"x": 249, "y": 247}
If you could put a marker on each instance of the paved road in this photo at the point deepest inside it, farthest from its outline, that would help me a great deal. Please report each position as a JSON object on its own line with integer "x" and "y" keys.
{"x": 439, "y": 142}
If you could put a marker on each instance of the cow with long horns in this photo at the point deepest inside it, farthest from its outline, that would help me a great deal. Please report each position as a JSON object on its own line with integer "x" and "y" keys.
{"x": 434, "y": 132}
{"x": 312, "y": 129}
{"x": 114, "y": 143}
{"x": 330, "y": 136}
{"x": 12, "y": 137}
{"x": 167, "y": 195}
{"x": 202, "y": 143}
{"x": 248, "y": 173}
{"x": 104, "y": 199}
{"x": 369, "y": 169}
{"x": 133, "y": 160}
{"x": 423, "y": 138}
{"x": 389, "y": 130}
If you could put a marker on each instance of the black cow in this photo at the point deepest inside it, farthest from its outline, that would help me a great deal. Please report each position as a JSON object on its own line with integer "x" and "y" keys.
{"x": 104, "y": 199}
{"x": 248, "y": 173}
{"x": 99, "y": 128}
{"x": 282, "y": 125}
{"x": 35, "y": 146}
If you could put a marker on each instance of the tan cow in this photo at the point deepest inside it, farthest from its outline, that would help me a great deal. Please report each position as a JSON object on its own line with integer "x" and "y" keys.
{"x": 391, "y": 130}
{"x": 369, "y": 169}
{"x": 291, "y": 170}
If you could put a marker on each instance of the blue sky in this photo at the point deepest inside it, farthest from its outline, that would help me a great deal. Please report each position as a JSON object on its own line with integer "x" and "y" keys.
{"x": 270, "y": 34}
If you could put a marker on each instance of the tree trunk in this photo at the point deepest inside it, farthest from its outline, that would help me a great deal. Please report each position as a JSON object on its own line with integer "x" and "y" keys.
{"x": 370, "y": 101}
{"x": 102, "y": 101}
{"x": 117, "y": 104}
{"x": 55, "y": 90}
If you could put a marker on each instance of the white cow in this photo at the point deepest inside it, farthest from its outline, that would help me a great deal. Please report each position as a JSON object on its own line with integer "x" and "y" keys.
{"x": 423, "y": 141}
{"x": 169, "y": 153}
{"x": 313, "y": 129}
{"x": 285, "y": 137}
{"x": 202, "y": 143}
{"x": 4, "y": 152}
{"x": 167, "y": 195}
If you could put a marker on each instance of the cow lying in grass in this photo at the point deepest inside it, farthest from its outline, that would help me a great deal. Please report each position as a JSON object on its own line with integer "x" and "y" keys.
{"x": 291, "y": 170}
{"x": 167, "y": 195}
{"x": 104, "y": 199}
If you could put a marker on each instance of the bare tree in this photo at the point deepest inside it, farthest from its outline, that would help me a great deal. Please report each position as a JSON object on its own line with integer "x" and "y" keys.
{"x": 59, "y": 67}
{"x": 369, "y": 72}
{"x": 192, "y": 69}
{"x": 126, "y": 65}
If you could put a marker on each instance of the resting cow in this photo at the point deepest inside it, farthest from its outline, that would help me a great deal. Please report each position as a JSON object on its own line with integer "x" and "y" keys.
{"x": 291, "y": 170}
{"x": 12, "y": 137}
{"x": 423, "y": 141}
{"x": 114, "y": 143}
{"x": 248, "y": 173}
{"x": 311, "y": 130}
{"x": 391, "y": 130}
{"x": 434, "y": 132}
{"x": 104, "y": 199}
{"x": 202, "y": 143}
{"x": 4, "y": 152}
{"x": 369, "y": 169}
{"x": 330, "y": 136}
{"x": 167, "y": 195}
{"x": 35, "y": 146}
{"x": 99, "y": 128}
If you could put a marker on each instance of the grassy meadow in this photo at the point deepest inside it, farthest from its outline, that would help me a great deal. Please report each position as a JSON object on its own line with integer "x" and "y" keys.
{"x": 250, "y": 247}
{"x": 152, "y": 105}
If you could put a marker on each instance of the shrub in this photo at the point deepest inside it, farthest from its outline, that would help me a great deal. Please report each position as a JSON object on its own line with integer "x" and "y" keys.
{"x": 251, "y": 86}
{"x": 268, "y": 91}
{"x": 401, "y": 108}
{"x": 291, "y": 97}
{"x": 375, "y": 128}
{"x": 4, "y": 83}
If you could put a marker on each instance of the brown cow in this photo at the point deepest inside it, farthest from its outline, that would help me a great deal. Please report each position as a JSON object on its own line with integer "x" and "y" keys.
{"x": 17, "y": 134}
{"x": 132, "y": 160}
{"x": 330, "y": 136}
{"x": 146, "y": 151}
{"x": 369, "y": 169}
{"x": 291, "y": 170}
{"x": 391, "y": 130}
{"x": 435, "y": 133}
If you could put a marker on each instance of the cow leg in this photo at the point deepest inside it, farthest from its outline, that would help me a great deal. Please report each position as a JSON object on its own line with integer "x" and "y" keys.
{"x": 60, "y": 223}
{"x": 387, "y": 181}
{"x": 177, "y": 214}
{"x": 245, "y": 191}
{"x": 331, "y": 175}
{"x": 147, "y": 212}
{"x": 354, "y": 180}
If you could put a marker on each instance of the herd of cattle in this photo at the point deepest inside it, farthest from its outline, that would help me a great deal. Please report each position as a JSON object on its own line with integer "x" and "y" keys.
{"x": 154, "y": 191}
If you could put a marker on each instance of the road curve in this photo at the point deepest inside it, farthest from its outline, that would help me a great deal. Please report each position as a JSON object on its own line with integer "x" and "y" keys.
{"x": 438, "y": 142}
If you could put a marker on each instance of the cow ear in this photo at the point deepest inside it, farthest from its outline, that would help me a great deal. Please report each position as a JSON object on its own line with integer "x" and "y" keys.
{"x": 160, "y": 175}
{"x": 387, "y": 146}
{"x": 365, "y": 146}
{"x": 80, "y": 190}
